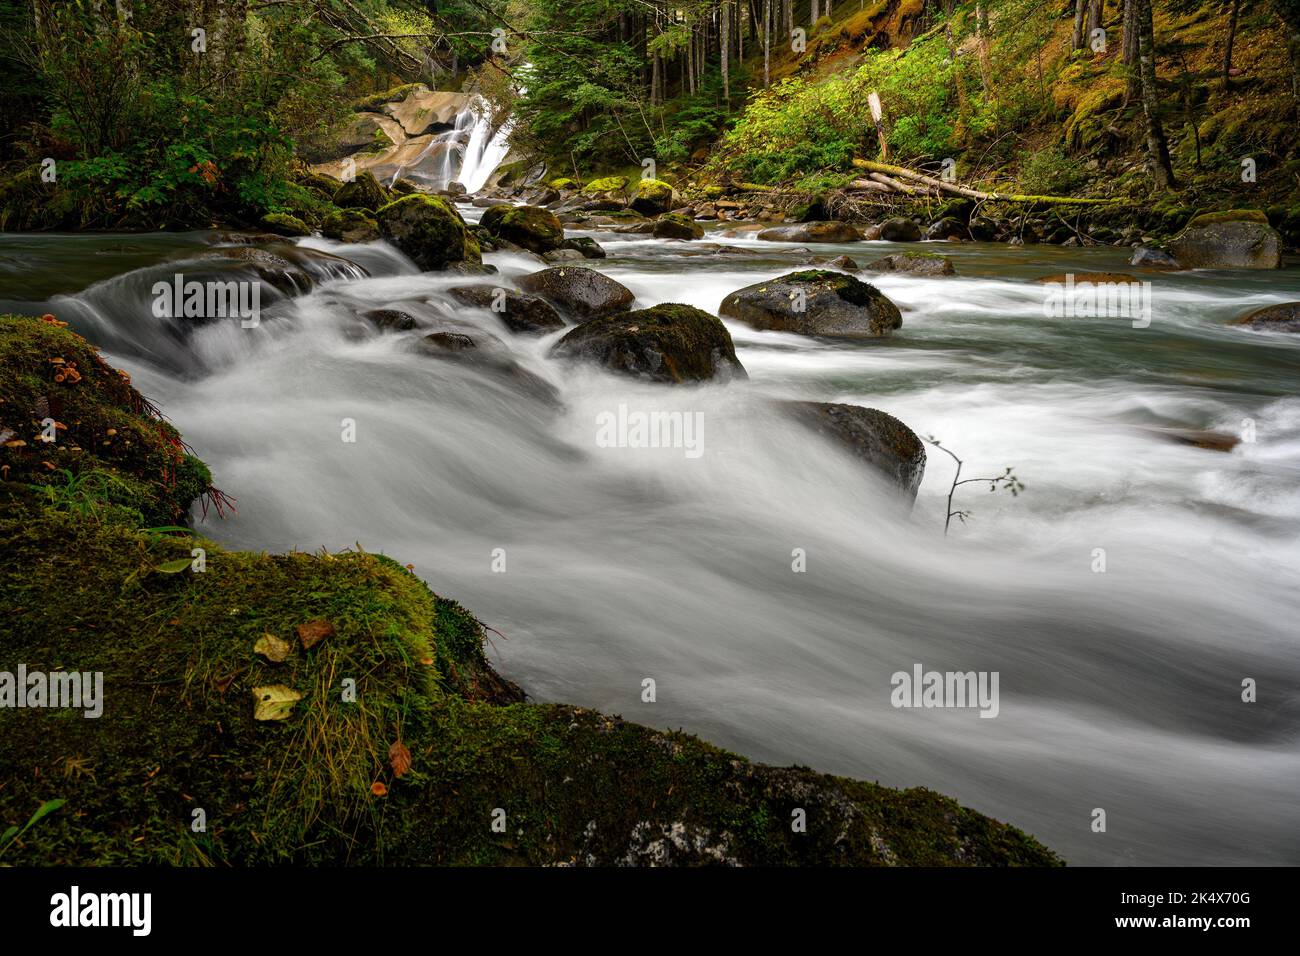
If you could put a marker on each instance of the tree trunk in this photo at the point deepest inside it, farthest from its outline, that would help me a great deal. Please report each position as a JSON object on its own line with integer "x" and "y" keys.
{"x": 725, "y": 45}
{"x": 1157, "y": 147}
{"x": 1227, "y": 48}
{"x": 767, "y": 43}
{"x": 1094, "y": 20}
{"x": 1080, "y": 6}
{"x": 1133, "y": 83}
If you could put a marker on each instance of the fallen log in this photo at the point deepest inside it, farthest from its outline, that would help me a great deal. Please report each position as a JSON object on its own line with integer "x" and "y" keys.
{"x": 885, "y": 169}
{"x": 858, "y": 185}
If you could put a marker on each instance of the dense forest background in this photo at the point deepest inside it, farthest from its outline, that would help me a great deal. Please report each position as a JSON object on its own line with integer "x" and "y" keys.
{"x": 175, "y": 112}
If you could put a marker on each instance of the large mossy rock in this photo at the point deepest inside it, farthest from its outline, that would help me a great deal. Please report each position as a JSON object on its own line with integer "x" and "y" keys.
{"x": 674, "y": 226}
{"x": 364, "y": 192}
{"x": 1236, "y": 239}
{"x": 579, "y": 292}
{"x": 899, "y": 229}
{"x": 429, "y": 230}
{"x": 880, "y": 440}
{"x": 666, "y": 343}
{"x": 811, "y": 232}
{"x": 396, "y": 741}
{"x": 532, "y": 227}
{"x": 350, "y": 225}
{"x": 815, "y": 302}
{"x": 653, "y": 197}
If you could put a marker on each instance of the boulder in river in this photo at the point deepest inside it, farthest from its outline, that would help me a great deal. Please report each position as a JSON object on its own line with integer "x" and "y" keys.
{"x": 872, "y": 436}
{"x": 899, "y": 229}
{"x": 812, "y": 232}
{"x": 285, "y": 224}
{"x": 672, "y": 226}
{"x": 667, "y": 343}
{"x": 429, "y": 230}
{"x": 589, "y": 247}
{"x": 364, "y": 192}
{"x": 531, "y": 227}
{"x": 815, "y": 302}
{"x": 949, "y": 229}
{"x": 1283, "y": 317}
{"x": 653, "y": 196}
{"x": 914, "y": 263}
{"x": 580, "y": 292}
{"x": 1152, "y": 258}
{"x": 522, "y": 313}
{"x": 350, "y": 225}
{"x": 1236, "y": 239}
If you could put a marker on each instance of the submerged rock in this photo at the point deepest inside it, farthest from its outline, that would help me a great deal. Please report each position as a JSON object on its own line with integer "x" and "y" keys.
{"x": 811, "y": 232}
{"x": 1152, "y": 258}
{"x": 874, "y": 437}
{"x": 525, "y": 314}
{"x": 429, "y": 230}
{"x": 915, "y": 263}
{"x": 815, "y": 302}
{"x": 1237, "y": 239}
{"x": 1283, "y": 317}
{"x": 578, "y": 291}
{"x": 666, "y": 343}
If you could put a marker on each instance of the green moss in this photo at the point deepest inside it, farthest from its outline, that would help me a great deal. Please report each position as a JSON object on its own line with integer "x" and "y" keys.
{"x": 655, "y": 190}
{"x": 607, "y": 184}
{"x": 429, "y": 230}
{"x": 285, "y": 225}
{"x": 395, "y": 95}
{"x": 564, "y": 182}
{"x": 532, "y": 227}
{"x": 364, "y": 192}
{"x": 350, "y": 225}
{"x": 1229, "y": 215}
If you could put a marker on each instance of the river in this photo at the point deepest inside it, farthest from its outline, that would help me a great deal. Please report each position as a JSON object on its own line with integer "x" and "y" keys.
{"x": 1120, "y": 690}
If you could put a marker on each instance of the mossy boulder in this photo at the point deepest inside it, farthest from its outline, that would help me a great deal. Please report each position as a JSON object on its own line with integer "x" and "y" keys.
{"x": 815, "y": 302}
{"x": 674, "y": 226}
{"x": 914, "y": 263}
{"x": 1244, "y": 241}
{"x": 653, "y": 196}
{"x": 880, "y": 440}
{"x": 375, "y": 102}
{"x": 429, "y": 230}
{"x": 350, "y": 225}
{"x": 589, "y": 247}
{"x": 1283, "y": 317}
{"x": 285, "y": 225}
{"x": 108, "y": 444}
{"x": 606, "y": 184}
{"x": 564, "y": 183}
{"x": 398, "y": 742}
{"x": 1228, "y": 215}
{"x": 532, "y": 227}
{"x": 899, "y": 229}
{"x": 579, "y": 292}
{"x": 364, "y": 192}
{"x": 666, "y": 343}
{"x": 521, "y": 313}
{"x": 811, "y": 232}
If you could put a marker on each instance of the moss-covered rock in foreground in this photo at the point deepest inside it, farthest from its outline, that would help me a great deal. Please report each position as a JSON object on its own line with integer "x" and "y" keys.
{"x": 429, "y": 230}
{"x": 398, "y": 674}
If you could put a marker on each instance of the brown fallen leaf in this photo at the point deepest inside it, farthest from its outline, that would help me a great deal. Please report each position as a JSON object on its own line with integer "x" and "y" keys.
{"x": 313, "y": 632}
{"x": 399, "y": 758}
{"x": 272, "y": 648}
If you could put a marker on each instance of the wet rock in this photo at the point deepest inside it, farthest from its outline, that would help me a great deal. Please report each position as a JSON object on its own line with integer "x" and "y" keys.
{"x": 914, "y": 263}
{"x": 1198, "y": 438}
{"x": 1237, "y": 239}
{"x": 429, "y": 230}
{"x": 589, "y": 248}
{"x": 880, "y": 440}
{"x": 947, "y": 229}
{"x": 1093, "y": 278}
{"x": 391, "y": 320}
{"x": 815, "y": 302}
{"x": 1152, "y": 258}
{"x": 838, "y": 262}
{"x": 522, "y": 313}
{"x": 672, "y": 226}
{"x": 578, "y": 291}
{"x": 285, "y": 225}
{"x": 666, "y": 343}
{"x": 1283, "y": 317}
{"x": 530, "y": 227}
{"x": 563, "y": 255}
{"x": 899, "y": 229}
{"x": 364, "y": 192}
{"x": 811, "y": 232}
{"x": 653, "y": 197}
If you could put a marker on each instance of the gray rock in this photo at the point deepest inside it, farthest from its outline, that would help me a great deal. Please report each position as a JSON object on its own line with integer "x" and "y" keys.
{"x": 812, "y": 232}
{"x": 834, "y": 304}
{"x": 880, "y": 440}
{"x": 578, "y": 291}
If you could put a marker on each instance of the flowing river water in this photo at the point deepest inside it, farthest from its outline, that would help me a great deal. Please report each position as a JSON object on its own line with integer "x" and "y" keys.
{"x": 1118, "y": 690}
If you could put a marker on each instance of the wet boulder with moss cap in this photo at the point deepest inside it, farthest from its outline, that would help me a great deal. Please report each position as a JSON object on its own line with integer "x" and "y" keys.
{"x": 1235, "y": 239}
{"x": 880, "y": 440}
{"x": 653, "y": 196}
{"x": 429, "y": 230}
{"x": 364, "y": 192}
{"x": 666, "y": 343}
{"x": 815, "y": 302}
{"x": 530, "y": 227}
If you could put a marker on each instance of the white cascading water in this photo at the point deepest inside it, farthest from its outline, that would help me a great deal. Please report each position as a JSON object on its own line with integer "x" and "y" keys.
{"x": 1119, "y": 690}
{"x": 468, "y": 153}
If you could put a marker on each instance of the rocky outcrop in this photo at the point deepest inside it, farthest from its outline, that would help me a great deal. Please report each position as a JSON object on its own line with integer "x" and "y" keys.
{"x": 1237, "y": 239}
{"x": 429, "y": 230}
{"x": 880, "y": 440}
{"x": 667, "y": 343}
{"x": 815, "y": 302}
{"x": 578, "y": 292}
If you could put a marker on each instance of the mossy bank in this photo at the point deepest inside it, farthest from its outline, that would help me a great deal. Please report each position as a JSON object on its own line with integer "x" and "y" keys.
{"x": 391, "y": 738}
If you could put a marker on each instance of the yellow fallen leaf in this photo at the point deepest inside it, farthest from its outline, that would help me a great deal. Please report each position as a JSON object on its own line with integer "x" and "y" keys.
{"x": 274, "y": 701}
{"x": 272, "y": 648}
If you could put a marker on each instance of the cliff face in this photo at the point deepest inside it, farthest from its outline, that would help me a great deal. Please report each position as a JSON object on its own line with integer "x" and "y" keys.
{"x": 329, "y": 708}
